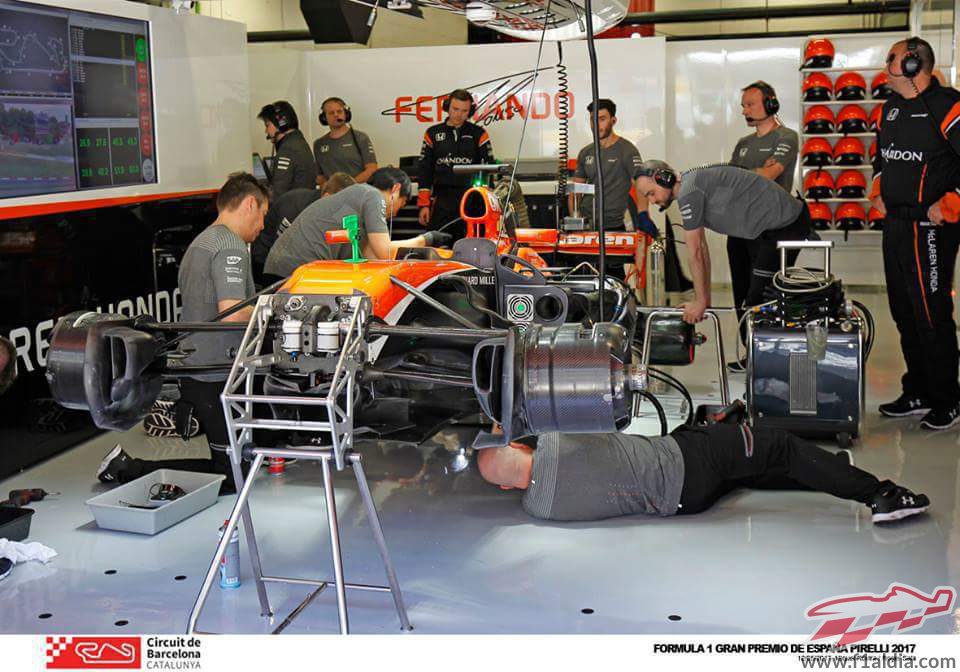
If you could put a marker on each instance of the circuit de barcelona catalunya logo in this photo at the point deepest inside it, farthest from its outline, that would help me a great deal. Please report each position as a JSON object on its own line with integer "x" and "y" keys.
{"x": 93, "y": 653}
{"x": 853, "y": 618}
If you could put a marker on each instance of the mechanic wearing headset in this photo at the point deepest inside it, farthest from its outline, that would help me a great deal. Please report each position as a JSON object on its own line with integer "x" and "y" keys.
{"x": 771, "y": 150}
{"x": 456, "y": 141}
{"x": 736, "y": 202}
{"x": 380, "y": 199}
{"x": 916, "y": 176}
{"x": 576, "y": 477}
{"x": 343, "y": 149}
{"x": 293, "y": 167}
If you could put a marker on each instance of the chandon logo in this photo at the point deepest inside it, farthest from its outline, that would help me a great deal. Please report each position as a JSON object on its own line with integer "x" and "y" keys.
{"x": 891, "y": 154}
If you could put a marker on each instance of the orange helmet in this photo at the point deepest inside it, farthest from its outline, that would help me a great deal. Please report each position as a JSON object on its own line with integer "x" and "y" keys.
{"x": 819, "y": 119}
{"x": 818, "y": 184}
{"x": 873, "y": 150}
{"x": 816, "y": 152}
{"x": 880, "y": 86}
{"x": 875, "y": 117}
{"x": 850, "y": 86}
{"x": 850, "y": 216}
{"x": 852, "y": 119}
{"x": 818, "y": 54}
{"x": 817, "y": 86}
{"x": 848, "y": 152}
{"x": 820, "y": 215}
{"x": 851, "y": 184}
{"x": 875, "y": 219}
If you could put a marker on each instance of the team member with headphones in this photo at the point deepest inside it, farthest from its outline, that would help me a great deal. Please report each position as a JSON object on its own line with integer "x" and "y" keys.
{"x": 343, "y": 149}
{"x": 736, "y": 202}
{"x": 293, "y": 167}
{"x": 916, "y": 180}
{"x": 456, "y": 141}
{"x": 771, "y": 150}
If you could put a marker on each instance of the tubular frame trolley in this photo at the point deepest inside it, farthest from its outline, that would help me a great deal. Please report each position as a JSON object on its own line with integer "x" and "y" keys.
{"x": 239, "y": 399}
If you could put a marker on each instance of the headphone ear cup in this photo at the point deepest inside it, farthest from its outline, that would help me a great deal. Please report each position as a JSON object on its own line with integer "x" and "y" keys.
{"x": 910, "y": 65}
{"x": 349, "y": 113}
{"x": 665, "y": 178}
{"x": 473, "y": 109}
{"x": 771, "y": 105}
{"x": 445, "y": 105}
{"x": 323, "y": 118}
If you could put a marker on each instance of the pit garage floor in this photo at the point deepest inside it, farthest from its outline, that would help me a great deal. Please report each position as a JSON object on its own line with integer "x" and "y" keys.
{"x": 471, "y": 561}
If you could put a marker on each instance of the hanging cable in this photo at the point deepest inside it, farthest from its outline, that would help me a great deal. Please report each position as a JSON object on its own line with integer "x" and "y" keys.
{"x": 526, "y": 111}
{"x": 563, "y": 135}
{"x": 598, "y": 200}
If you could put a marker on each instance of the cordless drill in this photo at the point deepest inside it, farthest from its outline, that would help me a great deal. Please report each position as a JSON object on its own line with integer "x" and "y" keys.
{"x": 24, "y": 497}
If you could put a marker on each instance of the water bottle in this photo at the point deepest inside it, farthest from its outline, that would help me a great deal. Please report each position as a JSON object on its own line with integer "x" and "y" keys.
{"x": 230, "y": 562}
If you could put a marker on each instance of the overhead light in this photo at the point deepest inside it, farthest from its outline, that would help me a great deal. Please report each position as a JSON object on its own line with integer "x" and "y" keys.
{"x": 480, "y": 12}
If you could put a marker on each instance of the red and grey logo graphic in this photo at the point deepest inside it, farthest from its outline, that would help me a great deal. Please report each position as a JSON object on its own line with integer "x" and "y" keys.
{"x": 98, "y": 653}
{"x": 853, "y": 618}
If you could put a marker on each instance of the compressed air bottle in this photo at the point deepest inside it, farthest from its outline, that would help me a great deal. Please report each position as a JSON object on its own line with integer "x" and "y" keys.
{"x": 230, "y": 562}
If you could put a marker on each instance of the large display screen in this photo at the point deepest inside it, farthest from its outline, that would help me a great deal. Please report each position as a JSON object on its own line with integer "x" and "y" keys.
{"x": 76, "y": 101}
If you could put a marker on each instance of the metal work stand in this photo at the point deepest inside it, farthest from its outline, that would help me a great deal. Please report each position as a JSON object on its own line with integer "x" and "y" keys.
{"x": 238, "y": 407}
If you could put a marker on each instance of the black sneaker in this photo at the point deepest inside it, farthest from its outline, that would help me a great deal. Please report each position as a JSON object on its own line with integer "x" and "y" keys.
{"x": 111, "y": 466}
{"x": 905, "y": 405}
{"x": 737, "y": 367}
{"x": 894, "y": 502}
{"x": 941, "y": 418}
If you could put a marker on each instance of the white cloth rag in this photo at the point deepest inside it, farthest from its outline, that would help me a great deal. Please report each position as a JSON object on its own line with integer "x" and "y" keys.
{"x": 19, "y": 552}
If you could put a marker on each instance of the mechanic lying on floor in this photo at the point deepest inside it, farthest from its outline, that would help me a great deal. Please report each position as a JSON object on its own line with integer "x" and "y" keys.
{"x": 374, "y": 203}
{"x": 595, "y": 476}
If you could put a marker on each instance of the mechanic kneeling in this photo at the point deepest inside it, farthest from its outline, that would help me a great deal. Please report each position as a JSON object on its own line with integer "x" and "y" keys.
{"x": 572, "y": 477}
{"x": 382, "y": 197}
{"x": 215, "y": 275}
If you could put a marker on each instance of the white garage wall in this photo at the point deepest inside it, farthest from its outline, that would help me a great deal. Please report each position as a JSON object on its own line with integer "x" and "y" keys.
{"x": 375, "y": 81}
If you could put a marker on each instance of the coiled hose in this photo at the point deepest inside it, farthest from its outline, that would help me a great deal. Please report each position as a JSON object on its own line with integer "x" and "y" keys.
{"x": 563, "y": 137}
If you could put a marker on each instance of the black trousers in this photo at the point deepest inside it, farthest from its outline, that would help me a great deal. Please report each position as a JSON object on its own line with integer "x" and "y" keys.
{"x": 754, "y": 262}
{"x": 207, "y": 409}
{"x": 446, "y": 209}
{"x": 918, "y": 262}
{"x": 721, "y": 458}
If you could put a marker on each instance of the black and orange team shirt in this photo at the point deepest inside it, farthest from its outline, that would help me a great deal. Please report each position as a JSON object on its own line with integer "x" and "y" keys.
{"x": 445, "y": 147}
{"x": 917, "y": 162}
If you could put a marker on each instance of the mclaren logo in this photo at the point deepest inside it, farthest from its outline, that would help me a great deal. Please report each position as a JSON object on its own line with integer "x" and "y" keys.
{"x": 594, "y": 239}
{"x": 891, "y": 154}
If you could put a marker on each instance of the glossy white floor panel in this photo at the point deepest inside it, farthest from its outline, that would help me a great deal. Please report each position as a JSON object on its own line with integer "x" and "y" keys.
{"x": 470, "y": 561}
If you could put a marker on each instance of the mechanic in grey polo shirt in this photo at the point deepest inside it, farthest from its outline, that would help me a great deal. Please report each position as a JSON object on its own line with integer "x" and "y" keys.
{"x": 738, "y": 203}
{"x": 215, "y": 275}
{"x": 771, "y": 150}
{"x": 374, "y": 203}
{"x": 343, "y": 149}
{"x": 621, "y": 165}
{"x": 576, "y": 477}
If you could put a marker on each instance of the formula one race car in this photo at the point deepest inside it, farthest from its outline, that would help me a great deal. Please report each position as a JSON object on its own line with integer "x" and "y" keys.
{"x": 487, "y": 326}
